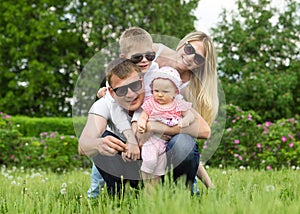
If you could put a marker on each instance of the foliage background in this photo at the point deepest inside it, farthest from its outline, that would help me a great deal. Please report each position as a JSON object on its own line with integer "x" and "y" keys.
{"x": 45, "y": 46}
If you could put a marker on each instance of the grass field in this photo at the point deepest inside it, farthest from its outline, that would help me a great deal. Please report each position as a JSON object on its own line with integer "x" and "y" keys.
{"x": 237, "y": 191}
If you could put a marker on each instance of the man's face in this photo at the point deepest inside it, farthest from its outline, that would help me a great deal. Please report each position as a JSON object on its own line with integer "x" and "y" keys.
{"x": 133, "y": 98}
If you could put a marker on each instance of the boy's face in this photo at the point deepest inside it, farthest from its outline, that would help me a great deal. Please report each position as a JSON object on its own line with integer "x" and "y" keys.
{"x": 143, "y": 49}
{"x": 134, "y": 94}
{"x": 163, "y": 91}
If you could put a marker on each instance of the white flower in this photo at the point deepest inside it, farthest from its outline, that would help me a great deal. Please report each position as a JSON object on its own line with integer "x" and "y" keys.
{"x": 64, "y": 185}
{"x": 224, "y": 172}
{"x": 270, "y": 188}
{"x": 63, "y": 191}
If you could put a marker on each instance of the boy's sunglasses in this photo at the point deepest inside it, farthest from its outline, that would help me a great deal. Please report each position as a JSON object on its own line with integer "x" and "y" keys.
{"x": 136, "y": 58}
{"x": 123, "y": 90}
{"x": 189, "y": 49}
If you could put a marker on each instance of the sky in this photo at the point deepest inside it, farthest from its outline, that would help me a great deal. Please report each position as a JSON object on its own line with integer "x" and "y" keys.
{"x": 208, "y": 11}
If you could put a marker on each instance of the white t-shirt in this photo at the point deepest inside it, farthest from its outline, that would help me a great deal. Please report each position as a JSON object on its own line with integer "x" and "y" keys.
{"x": 105, "y": 107}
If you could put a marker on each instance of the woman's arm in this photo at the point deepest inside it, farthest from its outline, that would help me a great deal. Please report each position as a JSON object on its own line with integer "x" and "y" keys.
{"x": 198, "y": 128}
{"x": 187, "y": 119}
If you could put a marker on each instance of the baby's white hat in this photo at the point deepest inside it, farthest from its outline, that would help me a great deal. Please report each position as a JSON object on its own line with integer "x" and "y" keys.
{"x": 167, "y": 72}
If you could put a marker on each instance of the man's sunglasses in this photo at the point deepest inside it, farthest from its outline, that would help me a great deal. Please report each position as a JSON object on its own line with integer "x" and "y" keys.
{"x": 123, "y": 90}
{"x": 189, "y": 49}
{"x": 136, "y": 58}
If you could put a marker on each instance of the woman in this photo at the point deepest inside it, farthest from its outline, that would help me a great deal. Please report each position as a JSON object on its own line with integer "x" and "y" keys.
{"x": 195, "y": 60}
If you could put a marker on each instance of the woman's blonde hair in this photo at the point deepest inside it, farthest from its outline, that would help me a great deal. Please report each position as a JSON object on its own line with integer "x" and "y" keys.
{"x": 202, "y": 90}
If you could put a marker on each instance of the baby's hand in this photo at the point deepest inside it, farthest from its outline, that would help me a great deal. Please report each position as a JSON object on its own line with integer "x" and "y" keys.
{"x": 101, "y": 92}
{"x": 141, "y": 125}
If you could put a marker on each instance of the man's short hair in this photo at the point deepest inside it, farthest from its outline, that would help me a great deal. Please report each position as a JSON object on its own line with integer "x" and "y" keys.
{"x": 132, "y": 38}
{"x": 120, "y": 67}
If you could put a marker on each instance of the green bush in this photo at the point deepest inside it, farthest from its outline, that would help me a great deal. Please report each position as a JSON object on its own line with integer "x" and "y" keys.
{"x": 49, "y": 150}
{"x": 33, "y": 126}
{"x": 248, "y": 141}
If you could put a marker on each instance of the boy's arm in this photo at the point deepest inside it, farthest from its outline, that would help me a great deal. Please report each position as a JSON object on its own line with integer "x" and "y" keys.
{"x": 187, "y": 119}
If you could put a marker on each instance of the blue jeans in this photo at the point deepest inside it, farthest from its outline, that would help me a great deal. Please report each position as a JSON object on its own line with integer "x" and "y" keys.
{"x": 183, "y": 157}
{"x": 97, "y": 182}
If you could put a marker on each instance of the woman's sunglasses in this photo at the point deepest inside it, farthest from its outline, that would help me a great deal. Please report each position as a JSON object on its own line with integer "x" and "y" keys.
{"x": 136, "y": 58}
{"x": 123, "y": 90}
{"x": 189, "y": 49}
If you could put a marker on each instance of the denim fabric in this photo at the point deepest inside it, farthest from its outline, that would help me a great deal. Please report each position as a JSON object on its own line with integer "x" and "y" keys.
{"x": 96, "y": 184}
{"x": 183, "y": 157}
{"x": 112, "y": 168}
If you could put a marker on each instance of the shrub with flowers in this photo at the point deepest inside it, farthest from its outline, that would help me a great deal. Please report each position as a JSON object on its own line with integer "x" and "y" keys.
{"x": 9, "y": 138}
{"x": 47, "y": 151}
{"x": 247, "y": 141}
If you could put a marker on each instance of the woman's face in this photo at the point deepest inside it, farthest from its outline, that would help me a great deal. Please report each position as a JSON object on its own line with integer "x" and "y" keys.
{"x": 186, "y": 61}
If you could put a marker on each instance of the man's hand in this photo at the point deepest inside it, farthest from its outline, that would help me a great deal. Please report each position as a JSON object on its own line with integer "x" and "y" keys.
{"x": 110, "y": 146}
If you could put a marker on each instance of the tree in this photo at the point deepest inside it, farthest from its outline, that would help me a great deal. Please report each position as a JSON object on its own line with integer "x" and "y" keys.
{"x": 259, "y": 58}
{"x": 39, "y": 50}
{"x": 46, "y": 44}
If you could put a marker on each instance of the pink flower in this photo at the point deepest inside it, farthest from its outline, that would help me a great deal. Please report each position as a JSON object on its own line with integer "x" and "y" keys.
{"x": 229, "y": 129}
{"x": 238, "y": 117}
{"x": 291, "y": 136}
{"x": 268, "y": 123}
{"x": 266, "y": 131}
{"x": 12, "y": 157}
{"x": 236, "y": 141}
{"x": 235, "y": 155}
{"x": 283, "y": 139}
{"x": 269, "y": 167}
{"x": 291, "y": 120}
{"x": 250, "y": 117}
{"x": 240, "y": 158}
{"x": 291, "y": 144}
{"x": 233, "y": 121}
{"x": 259, "y": 145}
{"x": 258, "y": 125}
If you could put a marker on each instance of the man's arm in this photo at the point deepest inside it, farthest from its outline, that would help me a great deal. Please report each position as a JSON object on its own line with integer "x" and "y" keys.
{"x": 91, "y": 143}
{"x": 198, "y": 128}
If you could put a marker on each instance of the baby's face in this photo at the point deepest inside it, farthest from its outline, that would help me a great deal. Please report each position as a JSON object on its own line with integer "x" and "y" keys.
{"x": 164, "y": 91}
{"x": 142, "y": 55}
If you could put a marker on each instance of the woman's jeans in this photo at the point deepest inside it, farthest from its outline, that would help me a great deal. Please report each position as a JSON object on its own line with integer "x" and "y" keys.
{"x": 183, "y": 157}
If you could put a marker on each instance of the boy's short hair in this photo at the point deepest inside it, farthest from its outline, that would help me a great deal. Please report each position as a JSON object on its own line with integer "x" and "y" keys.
{"x": 120, "y": 67}
{"x": 132, "y": 38}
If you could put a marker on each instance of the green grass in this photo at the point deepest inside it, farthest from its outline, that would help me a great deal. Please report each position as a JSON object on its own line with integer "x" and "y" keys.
{"x": 237, "y": 191}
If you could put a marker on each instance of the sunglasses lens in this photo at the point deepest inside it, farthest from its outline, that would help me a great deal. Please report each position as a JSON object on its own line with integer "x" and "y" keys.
{"x": 135, "y": 86}
{"x": 198, "y": 59}
{"x": 121, "y": 91}
{"x": 189, "y": 49}
{"x": 136, "y": 58}
{"x": 150, "y": 56}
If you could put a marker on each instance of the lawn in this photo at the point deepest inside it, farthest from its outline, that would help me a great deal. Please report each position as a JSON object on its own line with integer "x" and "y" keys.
{"x": 237, "y": 191}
